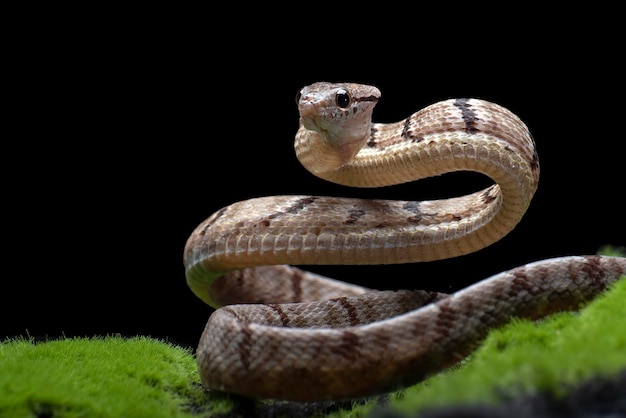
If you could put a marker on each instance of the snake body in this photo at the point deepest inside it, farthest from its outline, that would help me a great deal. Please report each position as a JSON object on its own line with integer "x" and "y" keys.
{"x": 286, "y": 333}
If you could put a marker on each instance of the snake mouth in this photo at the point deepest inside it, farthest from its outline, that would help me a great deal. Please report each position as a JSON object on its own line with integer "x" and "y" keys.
{"x": 311, "y": 124}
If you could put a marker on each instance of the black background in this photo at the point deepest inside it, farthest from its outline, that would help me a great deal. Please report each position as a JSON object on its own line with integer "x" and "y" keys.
{"x": 132, "y": 133}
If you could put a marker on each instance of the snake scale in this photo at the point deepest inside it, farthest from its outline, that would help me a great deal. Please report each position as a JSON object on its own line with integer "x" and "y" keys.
{"x": 342, "y": 341}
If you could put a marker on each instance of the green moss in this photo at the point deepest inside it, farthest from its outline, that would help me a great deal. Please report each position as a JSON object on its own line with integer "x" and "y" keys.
{"x": 612, "y": 251}
{"x": 99, "y": 377}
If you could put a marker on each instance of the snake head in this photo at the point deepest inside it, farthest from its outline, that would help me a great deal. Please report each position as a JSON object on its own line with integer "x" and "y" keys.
{"x": 341, "y": 114}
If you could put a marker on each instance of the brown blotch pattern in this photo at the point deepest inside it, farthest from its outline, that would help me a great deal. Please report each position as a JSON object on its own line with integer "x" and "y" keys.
{"x": 446, "y": 316}
{"x": 284, "y": 318}
{"x": 348, "y": 345}
{"x": 353, "y": 216}
{"x": 593, "y": 269}
{"x": 414, "y": 208}
{"x": 293, "y": 209}
{"x": 300, "y": 204}
{"x": 372, "y": 142}
{"x": 245, "y": 344}
{"x": 467, "y": 114}
{"x": 487, "y": 196}
{"x": 407, "y": 133}
{"x": 296, "y": 285}
{"x": 534, "y": 164}
{"x": 520, "y": 282}
{"x": 350, "y": 309}
{"x": 212, "y": 220}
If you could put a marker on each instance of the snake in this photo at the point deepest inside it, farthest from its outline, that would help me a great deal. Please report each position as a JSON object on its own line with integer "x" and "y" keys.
{"x": 281, "y": 331}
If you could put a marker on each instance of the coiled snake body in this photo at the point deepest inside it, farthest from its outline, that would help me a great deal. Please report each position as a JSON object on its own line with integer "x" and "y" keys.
{"x": 345, "y": 341}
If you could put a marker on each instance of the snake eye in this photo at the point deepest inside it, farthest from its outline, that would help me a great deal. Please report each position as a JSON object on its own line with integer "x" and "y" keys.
{"x": 298, "y": 96}
{"x": 343, "y": 99}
